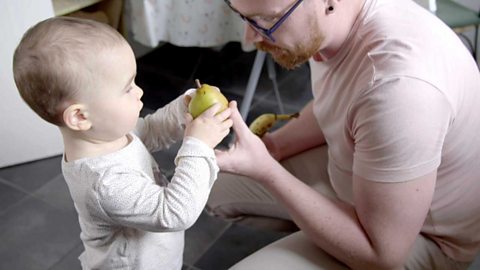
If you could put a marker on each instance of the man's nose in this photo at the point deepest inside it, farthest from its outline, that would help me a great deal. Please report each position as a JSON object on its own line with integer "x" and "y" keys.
{"x": 251, "y": 35}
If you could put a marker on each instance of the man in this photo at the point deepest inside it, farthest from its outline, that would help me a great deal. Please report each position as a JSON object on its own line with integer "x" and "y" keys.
{"x": 396, "y": 99}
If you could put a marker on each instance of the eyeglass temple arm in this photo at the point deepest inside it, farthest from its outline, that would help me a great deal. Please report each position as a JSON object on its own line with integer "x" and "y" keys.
{"x": 284, "y": 17}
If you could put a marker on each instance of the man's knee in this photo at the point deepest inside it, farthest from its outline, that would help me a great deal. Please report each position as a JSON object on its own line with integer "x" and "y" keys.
{"x": 241, "y": 200}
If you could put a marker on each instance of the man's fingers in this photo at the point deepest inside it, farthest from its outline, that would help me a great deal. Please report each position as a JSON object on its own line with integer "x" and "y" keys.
{"x": 239, "y": 126}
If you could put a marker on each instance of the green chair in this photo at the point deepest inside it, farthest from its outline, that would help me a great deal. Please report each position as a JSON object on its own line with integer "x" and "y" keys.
{"x": 460, "y": 19}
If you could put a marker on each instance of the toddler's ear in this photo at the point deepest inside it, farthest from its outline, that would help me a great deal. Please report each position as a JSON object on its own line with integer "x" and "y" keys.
{"x": 75, "y": 117}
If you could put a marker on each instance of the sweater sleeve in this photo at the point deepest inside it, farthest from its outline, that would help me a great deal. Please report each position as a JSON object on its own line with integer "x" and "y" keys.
{"x": 130, "y": 198}
{"x": 164, "y": 127}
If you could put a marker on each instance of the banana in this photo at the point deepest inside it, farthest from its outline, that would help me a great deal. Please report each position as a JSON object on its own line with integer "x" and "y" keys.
{"x": 264, "y": 122}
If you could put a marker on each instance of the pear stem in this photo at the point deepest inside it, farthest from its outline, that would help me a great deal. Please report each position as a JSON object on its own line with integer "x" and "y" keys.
{"x": 197, "y": 81}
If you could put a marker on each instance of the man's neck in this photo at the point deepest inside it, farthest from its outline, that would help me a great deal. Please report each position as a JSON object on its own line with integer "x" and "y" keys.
{"x": 347, "y": 14}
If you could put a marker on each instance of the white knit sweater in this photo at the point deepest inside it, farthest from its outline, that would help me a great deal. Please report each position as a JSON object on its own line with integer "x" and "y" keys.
{"x": 131, "y": 217}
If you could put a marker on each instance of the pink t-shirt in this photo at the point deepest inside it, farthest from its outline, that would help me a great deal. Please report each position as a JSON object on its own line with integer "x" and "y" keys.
{"x": 399, "y": 100}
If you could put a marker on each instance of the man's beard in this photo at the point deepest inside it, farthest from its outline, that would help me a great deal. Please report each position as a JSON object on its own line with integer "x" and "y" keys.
{"x": 291, "y": 59}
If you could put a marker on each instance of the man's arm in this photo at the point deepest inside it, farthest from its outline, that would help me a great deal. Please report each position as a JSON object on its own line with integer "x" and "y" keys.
{"x": 376, "y": 234}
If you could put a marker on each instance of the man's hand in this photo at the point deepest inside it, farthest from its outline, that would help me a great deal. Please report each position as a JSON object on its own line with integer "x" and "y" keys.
{"x": 248, "y": 155}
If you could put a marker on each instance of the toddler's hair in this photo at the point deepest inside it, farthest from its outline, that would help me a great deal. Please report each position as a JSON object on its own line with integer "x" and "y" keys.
{"x": 51, "y": 62}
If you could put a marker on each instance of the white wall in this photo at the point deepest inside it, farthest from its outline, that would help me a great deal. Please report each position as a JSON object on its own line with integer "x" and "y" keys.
{"x": 23, "y": 135}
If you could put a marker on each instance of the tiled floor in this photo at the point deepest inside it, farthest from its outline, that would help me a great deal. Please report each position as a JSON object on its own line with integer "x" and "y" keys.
{"x": 38, "y": 224}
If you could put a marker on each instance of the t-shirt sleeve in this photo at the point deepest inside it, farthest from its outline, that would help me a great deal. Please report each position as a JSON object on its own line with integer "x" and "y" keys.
{"x": 399, "y": 127}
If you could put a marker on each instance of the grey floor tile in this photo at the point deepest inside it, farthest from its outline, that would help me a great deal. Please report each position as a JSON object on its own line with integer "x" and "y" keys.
{"x": 191, "y": 268}
{"x": 201, "y": 236}
{"x": 35, "y": 235}
{"x": 9, "y": 195}
{"x": 56, "y": 194}
{"x": 70, "y": 260}
{"x": 235, "y": 244}
{"x": 32, "y": 175}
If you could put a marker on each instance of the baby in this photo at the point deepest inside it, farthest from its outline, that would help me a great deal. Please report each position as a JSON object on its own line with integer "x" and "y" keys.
{"x": 80, "y": 76}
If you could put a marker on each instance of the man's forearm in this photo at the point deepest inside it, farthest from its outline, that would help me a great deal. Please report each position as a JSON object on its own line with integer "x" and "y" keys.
{"x": 331, "y": 224}
{"x": 298, "y": 134}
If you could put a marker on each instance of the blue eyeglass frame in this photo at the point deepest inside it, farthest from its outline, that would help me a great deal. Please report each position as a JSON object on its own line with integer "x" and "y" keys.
{"x": 267, "y": 33}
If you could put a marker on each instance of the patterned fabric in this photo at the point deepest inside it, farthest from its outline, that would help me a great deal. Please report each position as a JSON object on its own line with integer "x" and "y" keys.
{"x": 194, "y": 23}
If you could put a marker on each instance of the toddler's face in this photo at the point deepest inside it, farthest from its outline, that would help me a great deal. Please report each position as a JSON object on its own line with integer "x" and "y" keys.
{"x": 114, "y": 101}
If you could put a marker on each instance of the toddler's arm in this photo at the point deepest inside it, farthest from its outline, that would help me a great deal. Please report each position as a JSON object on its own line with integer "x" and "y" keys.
{"x": 164, "y": 127}
{"x": 130, "y": 198}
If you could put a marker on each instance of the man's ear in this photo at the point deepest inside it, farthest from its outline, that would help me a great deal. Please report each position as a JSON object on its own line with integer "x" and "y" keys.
{"x": 330, "y": 6}
{"x": 75, "y": 117}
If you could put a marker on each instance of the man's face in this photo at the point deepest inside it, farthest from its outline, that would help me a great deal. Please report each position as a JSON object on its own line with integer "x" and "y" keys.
{"x": 296, "y": 40}
{"x": 292, "y": 57}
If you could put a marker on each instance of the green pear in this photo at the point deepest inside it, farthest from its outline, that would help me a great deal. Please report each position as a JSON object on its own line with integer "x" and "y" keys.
{"x": 205, "y": 96}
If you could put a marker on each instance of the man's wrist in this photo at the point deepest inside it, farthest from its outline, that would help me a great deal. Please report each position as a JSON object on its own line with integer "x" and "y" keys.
{"x": 271, "y": 144}
{"x": 267, "y": 177}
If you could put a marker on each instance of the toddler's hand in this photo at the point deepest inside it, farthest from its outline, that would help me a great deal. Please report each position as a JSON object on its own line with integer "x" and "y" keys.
{"x": 186, "y": 100}
{"x": 209, "y": 126}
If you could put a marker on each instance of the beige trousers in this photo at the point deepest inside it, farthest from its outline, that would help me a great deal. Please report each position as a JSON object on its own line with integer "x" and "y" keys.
{"x": 242, "y": 200}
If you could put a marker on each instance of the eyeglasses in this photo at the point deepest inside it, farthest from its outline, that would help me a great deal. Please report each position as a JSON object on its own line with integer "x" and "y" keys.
{"x": 267, "y": 33}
